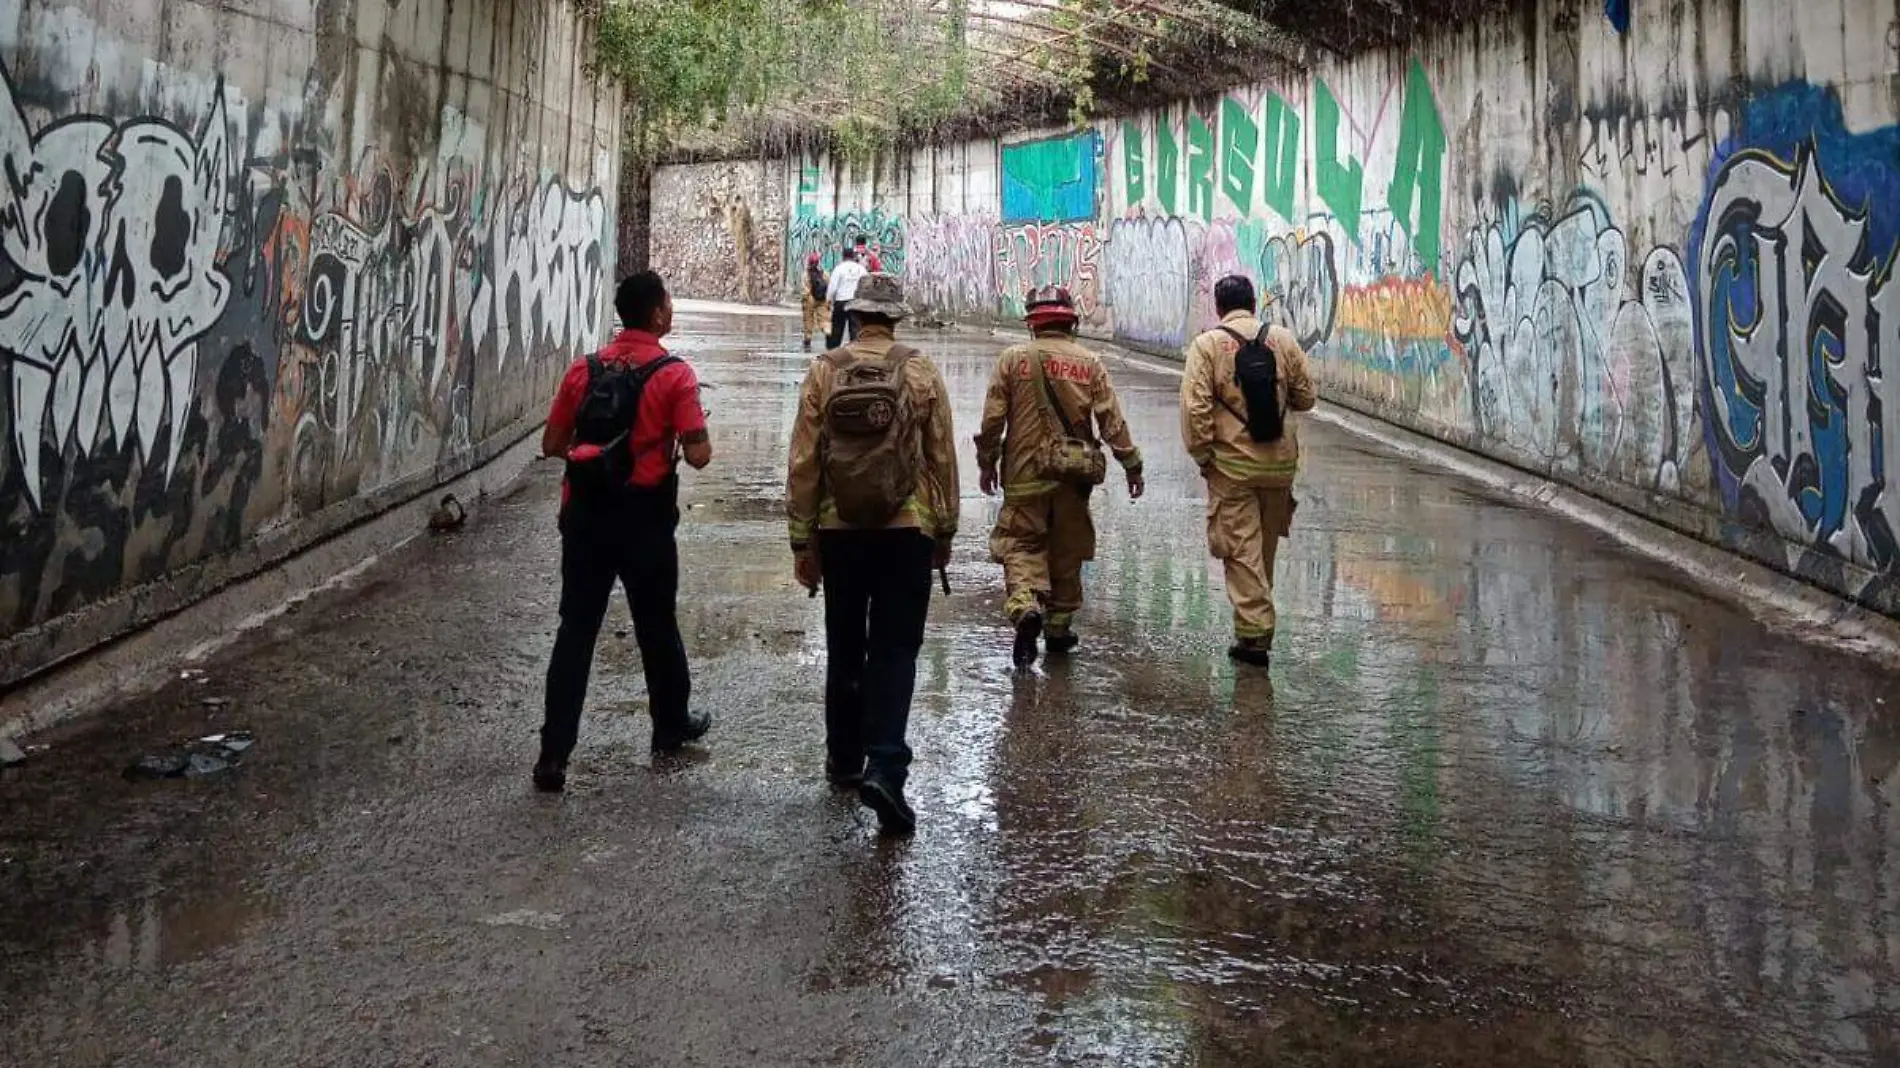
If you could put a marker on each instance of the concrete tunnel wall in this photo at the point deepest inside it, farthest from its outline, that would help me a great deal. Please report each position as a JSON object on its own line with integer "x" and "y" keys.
{"x": 267, "y": 269}
{"x": 1653, "y": 261}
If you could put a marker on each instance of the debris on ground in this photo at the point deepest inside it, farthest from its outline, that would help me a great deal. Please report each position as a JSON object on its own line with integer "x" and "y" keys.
{"x": 211, "y": 755}
{"x": 449, "y": 515}
{"x": 10, "y": 754}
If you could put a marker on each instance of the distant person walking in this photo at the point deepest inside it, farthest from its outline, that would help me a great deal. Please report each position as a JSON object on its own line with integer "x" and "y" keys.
{"x": 1049, "y": 410}
{"x": 841, "y": 291}
{"x": 1241, "y": 382}
{"x": 872, "y": 502}
{"x": 622, "y": 419}
{"x": 865, "y": 256}
{"x": 812, "y": 295}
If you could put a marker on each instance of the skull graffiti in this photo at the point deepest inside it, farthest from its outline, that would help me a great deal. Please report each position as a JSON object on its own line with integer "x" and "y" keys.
{"x": 111, "y": 233}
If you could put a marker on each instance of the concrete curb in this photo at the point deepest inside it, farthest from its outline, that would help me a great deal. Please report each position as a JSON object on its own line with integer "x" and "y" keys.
{"x": 1777, "y": 601}
{"x": 145, "y": 658}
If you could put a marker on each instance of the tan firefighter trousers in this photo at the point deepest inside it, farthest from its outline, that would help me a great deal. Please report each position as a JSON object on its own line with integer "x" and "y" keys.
{"x": 1042, "y": 540}
{"x": 1244, "y": 526}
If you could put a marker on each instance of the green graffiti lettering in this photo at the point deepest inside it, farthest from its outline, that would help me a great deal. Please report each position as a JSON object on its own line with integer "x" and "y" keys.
{"x": 1200, "y": 167}
{"x": 1281, "y": 168}
{"x": 1340, "y": 184}
{"x": 1239, "y": 139}
{"x": 1134, "y": 171}
{"x": 1417, "y": 190}
{"x": 1168, "y": 163}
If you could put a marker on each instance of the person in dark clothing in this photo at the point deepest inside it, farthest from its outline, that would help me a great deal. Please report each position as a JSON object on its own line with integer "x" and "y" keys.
{"x": 871, "y": 547}
{"x": 626, "y": 531}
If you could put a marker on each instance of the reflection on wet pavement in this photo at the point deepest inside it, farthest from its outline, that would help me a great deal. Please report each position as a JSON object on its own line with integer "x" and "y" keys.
{"x": 1510, "y": 797}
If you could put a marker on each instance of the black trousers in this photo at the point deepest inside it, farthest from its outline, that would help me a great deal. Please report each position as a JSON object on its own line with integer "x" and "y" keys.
{"x": 841, "y": 324}
{"x": 631, "y": 540}
{"x": 877, "y": 595}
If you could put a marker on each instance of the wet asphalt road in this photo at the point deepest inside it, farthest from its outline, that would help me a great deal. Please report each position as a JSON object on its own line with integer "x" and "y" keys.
{"x": 1510, "y": 797}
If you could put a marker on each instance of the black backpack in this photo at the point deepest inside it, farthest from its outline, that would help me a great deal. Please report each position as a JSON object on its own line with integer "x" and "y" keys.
{"x": 605, "y": 420}
{"x": 1257, "y": 373}
{"x": 816, "y": 283}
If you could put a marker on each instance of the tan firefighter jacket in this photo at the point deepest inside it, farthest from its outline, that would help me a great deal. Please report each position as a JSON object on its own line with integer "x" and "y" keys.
{"x": 1017, "y": 423}
{"x": 933, "y": 507}
{"x": 1213, "y": 426}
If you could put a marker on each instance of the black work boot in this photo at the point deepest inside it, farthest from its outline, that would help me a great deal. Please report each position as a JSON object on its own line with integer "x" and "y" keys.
{"x": 670, "y": 738}
{"x": 1255, "y": 651}
{"x": 550, "y": 774}
{"x": 1028, "y": 632}
{"x": 1062, "y": 643}
{"x": 894, "y": 815}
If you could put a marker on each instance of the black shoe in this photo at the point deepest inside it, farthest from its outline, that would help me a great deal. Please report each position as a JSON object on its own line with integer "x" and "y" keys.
{"x": 1028, "y": 632}
{"x": 668, "y": 739}
{"x": 1062, "y": 643}
{"x": 1255, "y": 651}
{"x": 894, "y": 815}
{"x": 808, "y": 344}
{"x": 844, "y": 777}
{"x": 550, "y": 775}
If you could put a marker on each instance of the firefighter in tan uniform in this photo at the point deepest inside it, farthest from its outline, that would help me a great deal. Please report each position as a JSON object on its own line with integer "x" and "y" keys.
{"x": 812, "y": 299}
{"x": 1049, "y": 408}
{"x": 1249, "y": 482}
{"x": 872, "y": 500}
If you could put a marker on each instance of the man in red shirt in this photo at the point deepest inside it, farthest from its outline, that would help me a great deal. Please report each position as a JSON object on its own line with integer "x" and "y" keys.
{"x": 866, "y": 256}
{"x": 626, "y": 533}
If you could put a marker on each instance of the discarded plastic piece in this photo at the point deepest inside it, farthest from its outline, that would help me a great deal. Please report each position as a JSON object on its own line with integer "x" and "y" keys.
{"x": 158, "y": 766}
{"x": 204, "y": 765}
{"x": 231, "y": 741}
{"x": 216, "y": 704}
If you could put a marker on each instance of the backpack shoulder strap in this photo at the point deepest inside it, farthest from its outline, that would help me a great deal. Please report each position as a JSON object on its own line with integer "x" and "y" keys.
{"x": 1039, "y": 360}
{"x": 593, "y": 367}
{"x": 647, "y": 370}
{"x": 1237, "y": 335}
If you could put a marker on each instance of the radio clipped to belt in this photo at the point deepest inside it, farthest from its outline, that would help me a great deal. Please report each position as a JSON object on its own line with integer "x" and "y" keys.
{"x": 1069, "y": 457}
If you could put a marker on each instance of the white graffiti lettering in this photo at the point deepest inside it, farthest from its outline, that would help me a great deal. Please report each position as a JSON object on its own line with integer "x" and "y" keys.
{"x": 950, "y": 267}
{"x": 1149, "y": 281}
{"x": 1299, "y": 274}
{"x": 1568, "y": 365}
{"x": 540, "y": 282}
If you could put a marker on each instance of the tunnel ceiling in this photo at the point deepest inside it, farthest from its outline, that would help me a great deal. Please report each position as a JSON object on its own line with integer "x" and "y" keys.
{"x": 1024, "y": 63}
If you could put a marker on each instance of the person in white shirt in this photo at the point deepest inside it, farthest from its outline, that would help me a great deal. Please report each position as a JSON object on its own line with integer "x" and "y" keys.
{"x": 843, "y": 290}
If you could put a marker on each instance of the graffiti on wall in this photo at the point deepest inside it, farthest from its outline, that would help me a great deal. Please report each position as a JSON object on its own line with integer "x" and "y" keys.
{"x": 1800, "y": 326}
{"x": 1298, "y": 273}
{"x": 950, "y": 264}
{"x": 1041, "y": 254}
{"x": 1052, "y": 179}
{"x": 1569, "y": 363}
{"x": 885, "y": 234}
{"x": 199, "y": 340}
{"x": 112, "y": 232}
{"x": 1149, "y": 284}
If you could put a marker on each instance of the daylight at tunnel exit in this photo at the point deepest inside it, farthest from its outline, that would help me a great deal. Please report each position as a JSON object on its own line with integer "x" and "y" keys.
{"x": 903, "y": 533}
